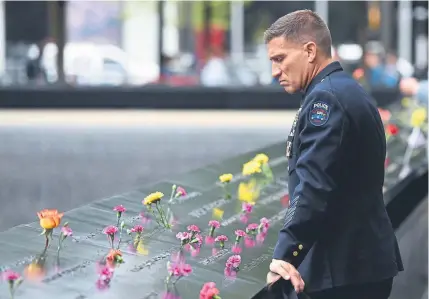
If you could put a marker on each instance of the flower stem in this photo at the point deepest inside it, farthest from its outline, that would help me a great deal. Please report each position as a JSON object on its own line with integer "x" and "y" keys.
{"x": 212, "y": 229}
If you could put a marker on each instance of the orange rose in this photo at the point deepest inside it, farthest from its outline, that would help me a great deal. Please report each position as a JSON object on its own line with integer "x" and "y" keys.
{"x": 49, "y": 219}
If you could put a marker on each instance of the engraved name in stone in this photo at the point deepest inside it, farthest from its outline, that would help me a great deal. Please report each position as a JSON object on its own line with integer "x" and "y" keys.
{"x": 189, "y": 196}
{"x": 197, "y": 213}
{"x": 155, "y": 259}
{"x": 66, "y": 272}
{"x": 213, "y": 259}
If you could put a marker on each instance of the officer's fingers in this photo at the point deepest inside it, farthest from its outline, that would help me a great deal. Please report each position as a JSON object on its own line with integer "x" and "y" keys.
{"x": 272, "y": 277}
{"x": 295, "y": 278}
{"x": 280, "y": 268}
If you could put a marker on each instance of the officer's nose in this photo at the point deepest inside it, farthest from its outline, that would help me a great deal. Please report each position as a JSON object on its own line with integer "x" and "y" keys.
{"x": 275, "y": 70}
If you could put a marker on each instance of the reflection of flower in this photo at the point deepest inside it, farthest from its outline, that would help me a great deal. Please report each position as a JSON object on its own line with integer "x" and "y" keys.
{"x": 209, "y": 291}
{"x": 249, "y": 242}
{"x": 178, "y": 270}
{"x": 236, "y": 249}
{"x": 105, "y": 275}
{"x": 221, "y": 239}
{"x": 14, "y": 280}
{"x": 233, "y": 262}
{"x": 217, "y": 213}
{"x": 244, "y": 218}
{"x": 248, "y": 192}
{"x": 214, "y": 224}
{"x": 110, "y": 231}
{"x": 247, "y": 207}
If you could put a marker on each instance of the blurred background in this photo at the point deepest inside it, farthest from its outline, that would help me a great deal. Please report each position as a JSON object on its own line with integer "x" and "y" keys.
{"x": 101, "y": 97}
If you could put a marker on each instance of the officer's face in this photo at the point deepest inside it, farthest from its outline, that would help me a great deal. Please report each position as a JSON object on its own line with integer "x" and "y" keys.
{"x": 291, "y": 63}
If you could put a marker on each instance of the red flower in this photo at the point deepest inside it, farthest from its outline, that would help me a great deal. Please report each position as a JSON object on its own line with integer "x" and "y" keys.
{"x": 209, "y": 291}
{"x": 110, "y": 230}
{"x": 233, "y": 262}
{"x": 119, "y": 209}
{"x": 180, "y": 191}
{"x": 137, "y": 229}
{"x": 392, "y": 129}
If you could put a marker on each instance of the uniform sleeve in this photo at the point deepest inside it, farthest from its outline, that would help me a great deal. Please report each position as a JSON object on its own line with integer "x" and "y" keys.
{"x": 322, "y": 125}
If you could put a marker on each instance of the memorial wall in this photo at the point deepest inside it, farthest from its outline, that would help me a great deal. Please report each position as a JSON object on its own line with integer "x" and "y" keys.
{"x": 207, "y": 232}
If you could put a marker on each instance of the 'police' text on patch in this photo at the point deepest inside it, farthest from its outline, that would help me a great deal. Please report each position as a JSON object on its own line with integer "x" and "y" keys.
{"x": 319, "y": 113}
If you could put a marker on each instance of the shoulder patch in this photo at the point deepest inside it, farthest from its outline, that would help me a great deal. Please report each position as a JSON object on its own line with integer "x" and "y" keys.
{"x": 319, "y": 113}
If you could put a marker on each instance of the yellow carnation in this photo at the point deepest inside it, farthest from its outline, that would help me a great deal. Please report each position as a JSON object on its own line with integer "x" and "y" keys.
{"x": 261, "y": 158}
{"x": 225, "y": 178}
{"x": 153, "y": 198}
{"x": 418, "y": 117}
{"x": 251, "y": 167}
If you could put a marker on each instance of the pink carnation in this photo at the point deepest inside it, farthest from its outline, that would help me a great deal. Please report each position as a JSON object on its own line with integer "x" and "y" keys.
{"x": 193, "y": 228}
{"x": 265, "y": 223}
{"x": 221, "y": 238}
{"x": 183, "y": 236}
{"x": 252, "y": 227}
{"x": 10, "y": 275}
{"x": 233, "y": 261}
{"x": 240, "y": 233}
{"x": 110, "y": 230}
{"x": 180, "y": 191}
{"x": 247, "y": 207}
{"x": 119, "y": 209}
{"x": 179, "y": 269}
{"x": 67, "y": 231}
{"x": 214, "y": 223}
{"x": 137, "y": 229}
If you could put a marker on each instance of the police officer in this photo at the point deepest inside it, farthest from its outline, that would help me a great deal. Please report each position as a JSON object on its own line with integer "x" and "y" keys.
{"x": 337, "y": 232}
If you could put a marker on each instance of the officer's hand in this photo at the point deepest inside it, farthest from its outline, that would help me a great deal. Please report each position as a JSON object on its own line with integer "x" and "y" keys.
{"x": 272, "y": 277}
{"x": 288, "y": 272}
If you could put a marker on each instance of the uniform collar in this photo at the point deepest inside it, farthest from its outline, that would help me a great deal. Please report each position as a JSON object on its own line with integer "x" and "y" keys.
{"x": 329, "y": 69}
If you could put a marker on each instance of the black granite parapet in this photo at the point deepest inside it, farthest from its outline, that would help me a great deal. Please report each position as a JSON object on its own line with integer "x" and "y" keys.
{"x": 73, "y": 273}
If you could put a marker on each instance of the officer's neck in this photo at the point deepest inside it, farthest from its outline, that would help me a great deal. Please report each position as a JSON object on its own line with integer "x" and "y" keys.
{"x": 319, "y": 66}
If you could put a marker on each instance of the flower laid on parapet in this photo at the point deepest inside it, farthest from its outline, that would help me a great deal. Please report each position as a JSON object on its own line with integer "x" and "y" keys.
{"x": 252, "y": 228}
{"x": 177, "y": 270}
{"x": 137, "y": 230}
{"x": 49, "y": 219}
{"x": 213, "y": 224}
{"x": 184, "y": 238}
{"x": 233, "y": 262}
{"x": 221, "y": 239}
{"x": 66, "y": 231}
{"x": 263, "y": 159}
{"x": 391, "y": 130}
{"x": 14, "y": 280}
{"x": 110, "y": 231}
{"x": 176, "y": 192}
{"x": 239, "y": 234}
{"x": 418, "y": 117}
{"x": 119, "y": 211}
{"x": 225, "y": 180}
{"x": 209, "y": 291}
{"x": 114, "y": 258}
{"x": 264, "y": 225}
{"x": 250, "y": 168}
{"x": 154, "y": 199}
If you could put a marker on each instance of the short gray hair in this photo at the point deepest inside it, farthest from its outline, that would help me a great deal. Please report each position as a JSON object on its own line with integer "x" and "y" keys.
{"x": 302, "y": 26}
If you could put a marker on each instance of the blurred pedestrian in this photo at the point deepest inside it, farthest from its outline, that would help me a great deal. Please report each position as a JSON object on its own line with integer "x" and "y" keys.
{"x": 415, "y": 88}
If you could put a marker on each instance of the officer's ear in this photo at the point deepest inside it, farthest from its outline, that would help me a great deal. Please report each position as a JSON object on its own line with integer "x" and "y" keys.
{"x": 311, "y": 50}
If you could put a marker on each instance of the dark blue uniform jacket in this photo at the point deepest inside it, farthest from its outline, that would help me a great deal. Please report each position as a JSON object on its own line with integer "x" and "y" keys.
{"x": 337, "y": 231}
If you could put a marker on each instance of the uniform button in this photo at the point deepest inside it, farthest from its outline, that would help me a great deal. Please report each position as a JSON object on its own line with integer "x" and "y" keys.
{"x": 300, "y": 247}
{"x": 295, "y": 253}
